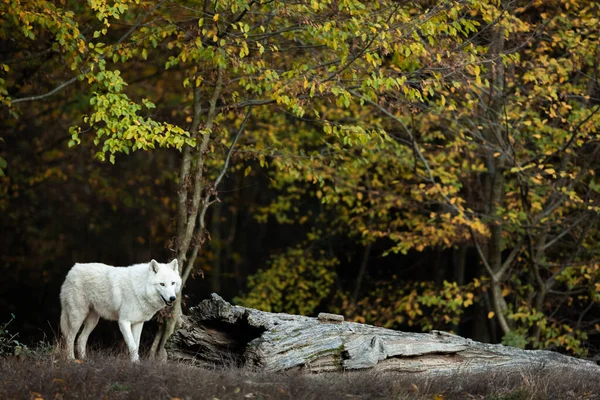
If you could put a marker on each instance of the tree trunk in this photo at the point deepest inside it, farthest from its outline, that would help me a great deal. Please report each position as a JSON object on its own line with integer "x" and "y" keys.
{"x": 217, "y": 241}
{"x": 196, "y": 195}
{"x": 496, "y": 134}
{"x": 361, "y": 272}
{"x": 219, "y": 334}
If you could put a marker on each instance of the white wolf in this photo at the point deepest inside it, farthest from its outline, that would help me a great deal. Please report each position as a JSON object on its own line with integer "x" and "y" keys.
{"x": 130, "y": 295}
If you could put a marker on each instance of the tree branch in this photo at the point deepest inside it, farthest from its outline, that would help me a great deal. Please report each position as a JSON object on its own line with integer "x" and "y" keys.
{"x": 50, "y": 93}
{"x": 506, "y": 264}
{"x": 74, "y": 79}
{"x": 235, "y": 139}
{"x": 483, "y": 257}
{"x": 415, "y": 146}
{"x": 566, "y": 231}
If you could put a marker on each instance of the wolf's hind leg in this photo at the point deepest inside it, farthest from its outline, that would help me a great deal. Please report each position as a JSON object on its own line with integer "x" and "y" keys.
{"x": 90, "y": 323}
{"x": 70, "y": 322}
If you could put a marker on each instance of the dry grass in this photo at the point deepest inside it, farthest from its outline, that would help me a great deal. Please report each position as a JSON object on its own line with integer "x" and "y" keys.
{"x": 112, "y": 376}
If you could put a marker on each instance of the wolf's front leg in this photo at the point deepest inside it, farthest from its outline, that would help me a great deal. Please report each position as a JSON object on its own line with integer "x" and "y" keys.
{"x": 136, "y": 329}
{"x": 125, "y": 327}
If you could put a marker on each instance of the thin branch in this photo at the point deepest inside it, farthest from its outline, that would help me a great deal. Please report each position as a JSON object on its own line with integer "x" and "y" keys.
{"x": 566, "y": 145}
{"x": 235, "y": 139}
{"x": 483, "y": 257}
{"x": 414, "y": 145}
{"x": 566, "y": 231}
{"x": 362, "y": 51}
{"x": 506, "y": 264}
{"x": 50, "y": 93}
{"x": 74, "y": 79}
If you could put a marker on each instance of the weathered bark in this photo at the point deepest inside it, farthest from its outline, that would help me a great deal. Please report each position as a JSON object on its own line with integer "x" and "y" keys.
{"x": 216, "y": 333}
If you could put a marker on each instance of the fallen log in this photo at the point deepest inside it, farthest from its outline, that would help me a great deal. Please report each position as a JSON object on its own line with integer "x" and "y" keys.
{"x": 216, "y": 333}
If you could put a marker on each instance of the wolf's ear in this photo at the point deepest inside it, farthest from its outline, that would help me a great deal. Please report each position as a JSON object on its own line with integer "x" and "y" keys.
{"x": 154, "y": 266}
{"x": 175, "y": 265}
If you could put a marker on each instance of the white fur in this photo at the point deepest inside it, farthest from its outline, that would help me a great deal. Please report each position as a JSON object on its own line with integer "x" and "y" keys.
{"x": 130, "y": 295}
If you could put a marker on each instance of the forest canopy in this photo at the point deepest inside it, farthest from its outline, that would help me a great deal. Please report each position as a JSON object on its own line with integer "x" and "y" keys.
{"x": 416, "y": 165}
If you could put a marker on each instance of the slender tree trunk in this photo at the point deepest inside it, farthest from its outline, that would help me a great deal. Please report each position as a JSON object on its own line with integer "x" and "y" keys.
{"x": 439, "y": 268}
{"x": 459, "y": 256}
{"x": 537, "y": 254}
{"x": 361, "y": 272}
{"x": 192, "y": 198}
{"x": 495, "y": 250}
{"x": 459, "y": 261}
{"x": 215, "y": 276}
{"x": 497, "y": 136}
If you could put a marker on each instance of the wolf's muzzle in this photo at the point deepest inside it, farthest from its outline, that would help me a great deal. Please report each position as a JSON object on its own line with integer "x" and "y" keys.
{"x": 169, "y": 302}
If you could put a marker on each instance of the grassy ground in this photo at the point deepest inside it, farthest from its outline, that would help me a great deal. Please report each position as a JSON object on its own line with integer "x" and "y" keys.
{"x": 106, "y": 376}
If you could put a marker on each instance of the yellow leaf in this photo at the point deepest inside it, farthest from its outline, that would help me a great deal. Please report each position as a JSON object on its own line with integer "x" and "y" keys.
{"x": 491, "y": 315}
{"x": 216, "y": 17}
{"x": 247, "y": 170}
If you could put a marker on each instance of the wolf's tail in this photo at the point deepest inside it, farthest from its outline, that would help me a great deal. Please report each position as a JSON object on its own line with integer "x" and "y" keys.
{"x": 64, "y": 315}
{"x": 64, "y": 322}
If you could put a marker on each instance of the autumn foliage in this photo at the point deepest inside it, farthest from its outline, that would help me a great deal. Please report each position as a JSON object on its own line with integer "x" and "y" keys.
{"x": 415, "y": 165}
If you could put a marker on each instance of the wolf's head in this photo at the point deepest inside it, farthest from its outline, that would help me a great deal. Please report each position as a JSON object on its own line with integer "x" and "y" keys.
{"x": 165, "y": 279}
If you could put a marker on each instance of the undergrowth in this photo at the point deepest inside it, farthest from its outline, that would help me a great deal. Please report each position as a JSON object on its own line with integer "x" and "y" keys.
{"x": 113, "y": 376}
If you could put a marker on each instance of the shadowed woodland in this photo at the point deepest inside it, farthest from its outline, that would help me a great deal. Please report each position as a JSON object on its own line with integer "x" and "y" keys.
{"x": 413, "y": 165}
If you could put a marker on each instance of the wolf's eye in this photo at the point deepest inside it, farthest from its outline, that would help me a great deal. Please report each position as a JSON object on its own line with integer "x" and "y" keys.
{"x": 172, "y": 283}
{"x": 162, "y": 284}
